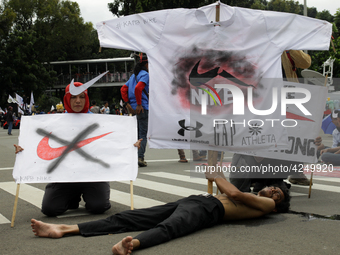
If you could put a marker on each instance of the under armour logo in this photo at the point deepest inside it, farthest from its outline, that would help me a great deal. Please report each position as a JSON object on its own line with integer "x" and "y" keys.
{"x": 198, "y": 133}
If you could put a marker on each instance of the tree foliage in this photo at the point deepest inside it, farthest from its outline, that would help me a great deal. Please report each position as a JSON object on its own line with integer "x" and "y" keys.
{"x": 36, "y": 32}
{"x": 325, "y": 15}
{"x": 123, "y": 8}
{"x": 284, "y": 6}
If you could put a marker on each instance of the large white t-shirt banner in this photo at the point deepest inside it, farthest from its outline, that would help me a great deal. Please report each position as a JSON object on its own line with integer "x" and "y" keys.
{"x": 76, "y": 148}
{"x": 302, "y": 129}
{"x": 200, "y": 68}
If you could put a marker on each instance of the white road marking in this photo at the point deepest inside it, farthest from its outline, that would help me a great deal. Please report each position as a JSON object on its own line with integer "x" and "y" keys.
{"x": 34, "y": 195}
{"x": 6, "y": 168}
{"x": 3, "y": 219}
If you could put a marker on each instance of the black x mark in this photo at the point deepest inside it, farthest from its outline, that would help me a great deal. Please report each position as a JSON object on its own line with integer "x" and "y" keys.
{"x": 72, "y": 146}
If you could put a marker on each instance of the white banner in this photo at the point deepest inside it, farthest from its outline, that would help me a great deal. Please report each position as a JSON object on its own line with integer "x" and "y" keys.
{"x": 31, "y": 102}
{"x": 301, "y": 147}
{"x": 20, "y": 101}
{"x": 11, "y": 100}
{"x": 76, "y": 148}
{"x": 229, "y": 118}
{"x": 201, "y": 70}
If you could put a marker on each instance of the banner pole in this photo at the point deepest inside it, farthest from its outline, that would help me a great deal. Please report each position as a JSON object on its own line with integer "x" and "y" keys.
{"x": 131, "y": 188}
{"x": 212, "y": 161}
{"x": 131, "y": 195}
{"x": 311, "y": 175}
{"x": 212, "y": 155}
{"x": 15, "y": 205}
{"x": 221, "y": 162}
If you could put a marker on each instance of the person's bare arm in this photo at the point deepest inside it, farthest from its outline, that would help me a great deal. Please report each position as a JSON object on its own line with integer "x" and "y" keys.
{"x": 264, "y": 204}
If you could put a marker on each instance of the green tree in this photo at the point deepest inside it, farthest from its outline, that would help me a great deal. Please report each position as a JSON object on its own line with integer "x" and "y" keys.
{"x": 123, "y": 8}
{"x": 66, "y": 36}
{"x": 311, "y": 12}
{"x": 337, "y": 19}
{"x": 21, "y": 69}
{"x": 34, "y": 33}
{"x": 7, "y": 17}
{"x": 325, "y": 15}
{"x": 259, "y": 4}
{"x": 318, "y": 58}
{"x": 284, "y": 6}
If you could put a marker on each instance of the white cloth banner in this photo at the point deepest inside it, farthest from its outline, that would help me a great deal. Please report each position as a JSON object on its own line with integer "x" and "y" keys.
{"x": 31, "y": 102}
{"x": 76, "y": 148}
{"x": 301, "y": 147}
{"x": 20, "y": 102}
{"x": 11, "y": 100}
{"x": 191, "y": 56}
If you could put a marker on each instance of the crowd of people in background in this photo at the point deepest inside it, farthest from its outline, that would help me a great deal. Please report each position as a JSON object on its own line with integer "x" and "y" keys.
{"x": 10, "y": 119}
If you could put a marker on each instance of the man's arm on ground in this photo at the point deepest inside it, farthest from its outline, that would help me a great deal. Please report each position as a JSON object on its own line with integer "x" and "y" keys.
{"x": 264, "y": 204}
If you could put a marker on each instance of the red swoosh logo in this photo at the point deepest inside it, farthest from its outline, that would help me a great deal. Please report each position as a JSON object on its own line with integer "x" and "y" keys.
{"x": 45, "y": 151}
{"x": 293, "y": 116}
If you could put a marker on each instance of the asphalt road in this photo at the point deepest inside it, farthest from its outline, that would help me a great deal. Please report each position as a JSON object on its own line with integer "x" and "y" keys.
{"x": 166, "y": 180}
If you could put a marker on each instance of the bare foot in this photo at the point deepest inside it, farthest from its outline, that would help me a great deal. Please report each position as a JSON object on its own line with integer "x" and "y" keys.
{"x": 46, "y": 230}
{"x": 124, "y": 247}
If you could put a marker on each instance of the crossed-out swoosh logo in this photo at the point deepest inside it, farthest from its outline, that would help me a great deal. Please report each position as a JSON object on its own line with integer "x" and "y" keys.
{"x": 45, "y": 151}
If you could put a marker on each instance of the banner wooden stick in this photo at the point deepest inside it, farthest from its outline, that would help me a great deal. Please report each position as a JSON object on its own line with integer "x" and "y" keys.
{"x": 212, "y": 155}
{"x": 15, "y": 205}
{"x": 218, "y": 12}
{"x": 221, "y": 162}
{"x": 333, "y": 46}
{"x": 131, "y": 187}
{"x": 311, "y": 175}
{"x": 210, "y": 187}
{"x": 131, "y": 194}
{"x": 212, "y": 161}
{"x": 310, "y": 185}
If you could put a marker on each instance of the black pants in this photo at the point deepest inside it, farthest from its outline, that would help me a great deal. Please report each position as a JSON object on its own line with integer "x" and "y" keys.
{"x": 162, "y": 223}
{"x": 59, "y": 197}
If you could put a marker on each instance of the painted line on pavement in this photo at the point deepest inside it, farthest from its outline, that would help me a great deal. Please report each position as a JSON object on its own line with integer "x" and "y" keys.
{"x": 189, "y": 179}
{"x": 327, "y": 179}
{"x": 138, "y": 201}
{"x": 168, "y": 160}
{"x": 321, "y": 187}
{"x": 6, "y": 168}
{"x": 3, "y": 219}
{"x": 34, "y": 196}
{"x": 179, "y": 177}
{"x": 166, "y": 188}
{"x": 27, "y": 192}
